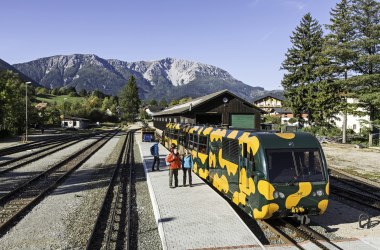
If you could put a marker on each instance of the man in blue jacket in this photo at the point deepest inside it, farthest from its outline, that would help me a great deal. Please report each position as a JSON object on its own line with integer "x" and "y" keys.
{"x": 156, "y": 154}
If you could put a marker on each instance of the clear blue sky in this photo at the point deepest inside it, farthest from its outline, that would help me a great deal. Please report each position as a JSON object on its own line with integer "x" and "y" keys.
{"x": 248, "y": 38}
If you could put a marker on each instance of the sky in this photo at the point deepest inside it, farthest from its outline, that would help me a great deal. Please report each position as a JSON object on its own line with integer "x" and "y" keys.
{"x": 247, "y": 38}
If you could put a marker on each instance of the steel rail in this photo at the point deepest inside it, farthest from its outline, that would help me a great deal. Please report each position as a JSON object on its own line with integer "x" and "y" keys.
{"x": 60, "y": 142}
{"x": 4, "y": 170}
{"x": 40, "y": 143}
{"x": 363, "y": 187}
{"x": 35, "y": 189}
{"x": 303, "y": 234}
{"x": 357, "y": 197}
{"x": 318, "y": 236}
{"x": 131, "y": 171}
{"x": 97, "y": 231}
{"x": 271, "y": 225}
{"x": 23, "y": 147}
{"x": 101, "y": 236}
{"x": 119, "y": 194}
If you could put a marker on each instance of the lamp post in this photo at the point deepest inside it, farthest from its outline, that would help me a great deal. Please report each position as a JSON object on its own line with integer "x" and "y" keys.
{"x": 26, "y": 111}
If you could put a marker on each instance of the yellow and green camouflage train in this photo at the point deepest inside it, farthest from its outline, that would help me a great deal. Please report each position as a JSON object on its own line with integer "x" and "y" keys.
{"x": 268, "y": 175}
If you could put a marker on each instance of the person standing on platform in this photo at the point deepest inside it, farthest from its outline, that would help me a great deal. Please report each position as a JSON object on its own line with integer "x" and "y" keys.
{"x": 175, "y": 164}
{"x": 154, "y": 151}
{"x": 187, "y": 164}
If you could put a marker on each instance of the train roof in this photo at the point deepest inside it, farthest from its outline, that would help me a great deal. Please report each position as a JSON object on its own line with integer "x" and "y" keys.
{"x": 266, "y": 139}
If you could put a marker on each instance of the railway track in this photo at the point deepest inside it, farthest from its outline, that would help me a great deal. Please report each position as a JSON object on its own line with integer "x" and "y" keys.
{"x": 112, "y": 229}
{"x": 297, "y": 235}
{"x": 354, "y": 190}
{"x": 32, "y": 145}
{"x": 17, "y": 202}
{"x": 17, "y": 162}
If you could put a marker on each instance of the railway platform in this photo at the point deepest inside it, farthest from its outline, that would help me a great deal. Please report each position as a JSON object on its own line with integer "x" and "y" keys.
{"x": 192, "y": 217}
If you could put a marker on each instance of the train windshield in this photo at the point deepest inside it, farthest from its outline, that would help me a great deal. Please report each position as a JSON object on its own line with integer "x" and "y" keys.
{"x": 296, "y": 165}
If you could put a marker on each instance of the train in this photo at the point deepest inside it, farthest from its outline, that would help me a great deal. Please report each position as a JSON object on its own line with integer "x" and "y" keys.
{"x": 266, "y": 174}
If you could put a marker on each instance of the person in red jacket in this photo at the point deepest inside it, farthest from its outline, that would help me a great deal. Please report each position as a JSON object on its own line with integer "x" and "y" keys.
{"x": 175, "y": 164}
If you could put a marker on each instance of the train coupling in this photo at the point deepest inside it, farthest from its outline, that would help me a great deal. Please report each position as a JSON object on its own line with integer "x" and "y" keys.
{"x": 303, "y": 219}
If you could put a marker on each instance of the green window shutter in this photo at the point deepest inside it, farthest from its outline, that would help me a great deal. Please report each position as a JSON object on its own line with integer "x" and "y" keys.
{"x": 243, "y": 121}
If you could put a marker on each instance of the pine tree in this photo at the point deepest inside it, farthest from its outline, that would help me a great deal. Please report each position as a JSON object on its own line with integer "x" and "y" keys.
{"x": 129, "y": 100}
{"x": 308, "y": 83}
{"x": 366, "y": 82}
{"x": 338, "y": 48}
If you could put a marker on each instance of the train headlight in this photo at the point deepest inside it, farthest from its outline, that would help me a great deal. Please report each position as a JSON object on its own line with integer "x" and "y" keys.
{"x": 275, "y": 194}
{"x": 319, "y": 192}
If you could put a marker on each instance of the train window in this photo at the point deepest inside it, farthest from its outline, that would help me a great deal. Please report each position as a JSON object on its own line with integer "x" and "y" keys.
{"x": 230, "y": 150}
{"x": 289, "y": 166}
{"x": 195, "y": 140}
{"x": 252, "y": 160}
{"x": 175, "y": 135}
{"x": 182, "y": 138}
{"x": 203, "y": 144}
{"x": 191, "y": 141}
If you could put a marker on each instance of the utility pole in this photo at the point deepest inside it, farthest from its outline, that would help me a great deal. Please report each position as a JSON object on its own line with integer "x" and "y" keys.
{"x": 26, "y": 111}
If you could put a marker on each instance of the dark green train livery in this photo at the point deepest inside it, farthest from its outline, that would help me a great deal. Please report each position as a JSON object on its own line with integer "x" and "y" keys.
{"x": 268, "y": 175}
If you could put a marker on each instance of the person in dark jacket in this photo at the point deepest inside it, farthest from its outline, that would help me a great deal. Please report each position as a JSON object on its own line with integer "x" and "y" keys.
{"x": 187, "y": 166}
{"x": 156, "y": 155}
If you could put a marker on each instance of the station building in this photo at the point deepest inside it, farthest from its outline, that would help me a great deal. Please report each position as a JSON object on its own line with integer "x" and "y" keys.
{"x": 221, "y": 108}
{"x": 74, "y": 122}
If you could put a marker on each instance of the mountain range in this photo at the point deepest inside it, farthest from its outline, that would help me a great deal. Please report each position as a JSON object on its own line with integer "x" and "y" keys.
{"x": 170, "y": 78}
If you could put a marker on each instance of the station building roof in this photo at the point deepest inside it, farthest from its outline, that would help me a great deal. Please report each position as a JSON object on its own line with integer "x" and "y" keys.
{"x": 188, "y": 106}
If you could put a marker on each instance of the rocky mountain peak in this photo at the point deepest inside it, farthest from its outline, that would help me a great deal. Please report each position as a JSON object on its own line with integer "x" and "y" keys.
{"x": 168, "y": 77}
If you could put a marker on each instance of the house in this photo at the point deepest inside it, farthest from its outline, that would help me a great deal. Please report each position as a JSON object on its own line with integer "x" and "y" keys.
{"x": 221, "y": 108}
{"x": 74, "y": 122}
{"x": 268, "y": 102}
{"x": 274, "y": 106}
{"x": 41, "y": 105}
{"x": 354, "y": 122}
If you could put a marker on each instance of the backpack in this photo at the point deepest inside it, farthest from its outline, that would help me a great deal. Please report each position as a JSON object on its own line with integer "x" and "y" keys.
{"x": 152, "y": 150}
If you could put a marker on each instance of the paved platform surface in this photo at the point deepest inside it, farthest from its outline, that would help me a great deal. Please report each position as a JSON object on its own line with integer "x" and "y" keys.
{"x": 192, "y": 217}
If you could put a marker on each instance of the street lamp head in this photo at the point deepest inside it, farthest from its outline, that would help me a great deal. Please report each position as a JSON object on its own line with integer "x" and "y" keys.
{"x": 28, "y": 82}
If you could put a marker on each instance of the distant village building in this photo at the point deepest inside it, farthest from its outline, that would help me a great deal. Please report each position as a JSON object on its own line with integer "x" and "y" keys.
{"x": 354, "y": 122}
{"x": 41, "y": 105}
{"x": 75, "y": 122}
{"x": 221, "y": 108}
{"x": 273, "y": 105}
{"x": 268, "y": 103}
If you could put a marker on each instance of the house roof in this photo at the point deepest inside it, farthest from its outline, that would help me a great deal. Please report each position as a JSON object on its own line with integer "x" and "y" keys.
{"x": 181, "y": 108}
{"x": 268, "y": 95}
{"x": 75, "y": 118}
{"x": 41, "y": 105}
{"x": 282, "y": 110}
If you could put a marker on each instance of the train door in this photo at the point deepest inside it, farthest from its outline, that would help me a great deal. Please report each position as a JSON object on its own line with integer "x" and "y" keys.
{"x": 243, "y": 163}
{"x": 247, "y": 163}
{"x": 203, "y": 154}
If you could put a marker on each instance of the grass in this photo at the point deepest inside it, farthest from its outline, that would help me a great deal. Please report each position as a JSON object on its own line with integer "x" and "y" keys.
{"x": 59, "y": 99}
{"x": 373, "y": 176}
